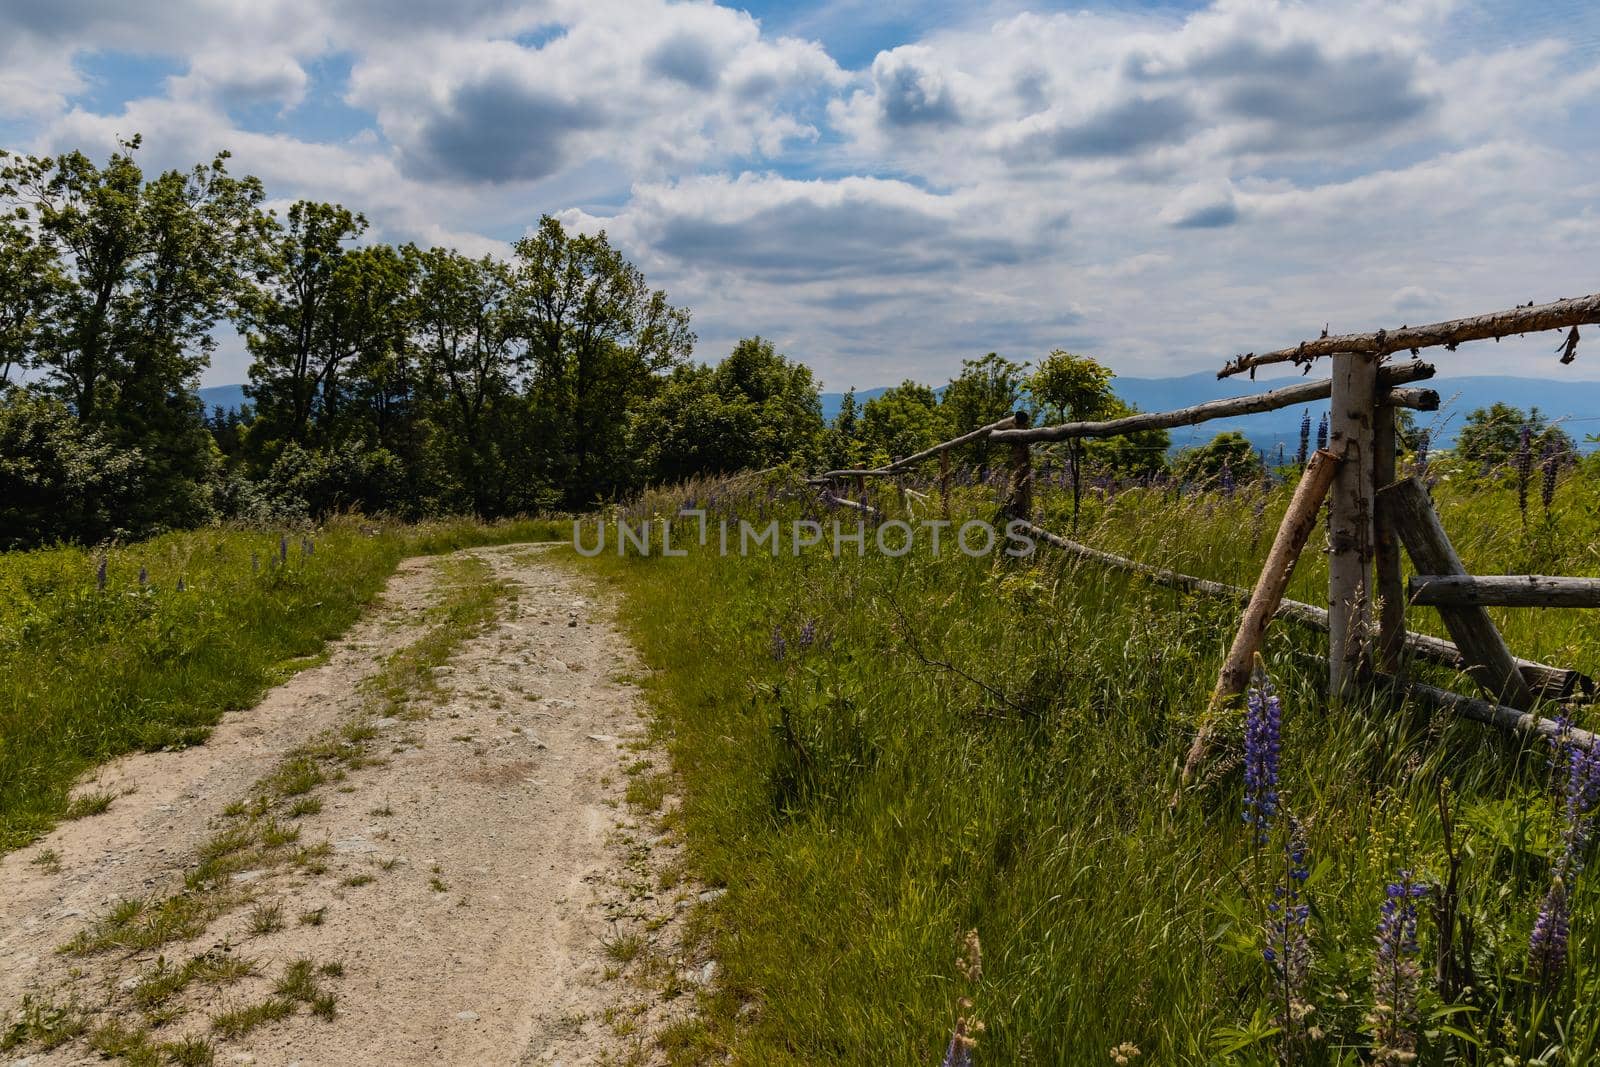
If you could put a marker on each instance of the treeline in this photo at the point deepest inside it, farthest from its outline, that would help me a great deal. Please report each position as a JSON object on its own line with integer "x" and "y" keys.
{"x": 387, "y": 378}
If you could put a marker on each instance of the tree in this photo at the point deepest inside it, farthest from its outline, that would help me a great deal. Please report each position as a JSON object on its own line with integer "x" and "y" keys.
{"x": 1071, "y": 388}
{"x": 842, "y": 442}
{"x": 597, "y": 338}
{"x": 30, "y": 284}
{"x": 1130, "y": 455}
{"x": 1229, "y": 450}
{"x": 754, "y": 410}
{"x": 292, "y": 321}
{"x": 900, "y": 421}
{"x": 463, "y": 323}
{"x": 60, "y": 479}
{"x": 985, "y": 391}
{"x": 1492, "y": 435}
{"x": 146, "y": 270}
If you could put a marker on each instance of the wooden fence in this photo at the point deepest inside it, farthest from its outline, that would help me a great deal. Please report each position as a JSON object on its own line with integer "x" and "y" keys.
{"x": 1372, "y": 514}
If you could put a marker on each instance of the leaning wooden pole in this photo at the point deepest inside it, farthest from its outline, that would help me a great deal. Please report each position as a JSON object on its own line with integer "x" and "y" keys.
{"x": 1019, "y": 500}
{"x": 1350, "y": 430}
{"x": 1506, "y": 590}
{"x": 1293, "y": 532}
{"x": 1488, "y": 660}
{"x": 1267, "y": 597}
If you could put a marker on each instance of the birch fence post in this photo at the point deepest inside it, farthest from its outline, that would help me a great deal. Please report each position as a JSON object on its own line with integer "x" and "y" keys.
{"x": 1019, "y": 501}
{"x": 1355, "y": 386}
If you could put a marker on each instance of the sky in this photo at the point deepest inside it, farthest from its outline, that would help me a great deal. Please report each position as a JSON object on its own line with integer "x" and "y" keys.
{"x": 885, "y": 188}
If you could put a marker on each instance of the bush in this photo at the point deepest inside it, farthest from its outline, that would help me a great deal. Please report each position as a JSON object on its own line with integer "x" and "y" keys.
{"x": 318, "y": 482}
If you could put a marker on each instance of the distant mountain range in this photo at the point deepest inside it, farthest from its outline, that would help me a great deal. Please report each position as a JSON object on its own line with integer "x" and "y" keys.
{"x": 1575, "y": 402}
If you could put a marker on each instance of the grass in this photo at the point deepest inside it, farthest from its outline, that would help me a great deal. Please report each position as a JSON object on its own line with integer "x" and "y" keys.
{"x": 991, "y": 745}
{"x": 88, "y": 674}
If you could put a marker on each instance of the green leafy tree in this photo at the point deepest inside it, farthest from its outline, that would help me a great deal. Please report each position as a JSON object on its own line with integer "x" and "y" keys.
{"x": 842, "y": 442}
{"x": 1230, "y": 449}
{"x": 30, "y": 285}
{"x": 900, "y": 421}
{"x": 597, "y": 339}
{"x": 1492, "y": 435}
{"x": 1070, "y": 388}
{"x": 146, "y": 270}
{"x": 1130, "y": 455}
{"x": 59, "y": 478}
{"x": 754, "y": 410}
{"x": 985, "y": 391}
{"x": 463, "y": 325}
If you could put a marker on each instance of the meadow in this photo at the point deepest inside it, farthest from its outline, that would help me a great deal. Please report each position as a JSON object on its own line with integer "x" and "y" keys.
{"x": 877, "y": 756}
{"x": 143, "y": 647}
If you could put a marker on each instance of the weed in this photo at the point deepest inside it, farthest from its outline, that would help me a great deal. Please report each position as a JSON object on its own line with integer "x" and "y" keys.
{"x": 237, "y": 1022}
{"x": 86, "y": 804}
{"x": 265, "y": 919}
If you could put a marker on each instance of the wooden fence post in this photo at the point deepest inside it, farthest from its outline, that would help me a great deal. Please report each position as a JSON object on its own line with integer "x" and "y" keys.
{"x": 861, "y": 489}
{"x": 1019, "y": 502}
{"x": 1355, "y": 383}
{"x": 1386, "y": 546}
{"x": 1488, "y": 660}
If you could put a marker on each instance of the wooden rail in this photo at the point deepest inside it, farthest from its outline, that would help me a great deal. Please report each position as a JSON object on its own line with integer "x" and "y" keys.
{"x": 1505, "y": 590}
{"x": 1552, "y": 683}
{"x": 1287, "y": 397}
{"x": 1559, "y": 315}
{"x": 1370, "y": 516}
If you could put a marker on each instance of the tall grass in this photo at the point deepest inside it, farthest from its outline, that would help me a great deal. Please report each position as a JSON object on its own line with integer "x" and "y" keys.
{"x": 88, "y": 673}
{"x": 991, "y": 745}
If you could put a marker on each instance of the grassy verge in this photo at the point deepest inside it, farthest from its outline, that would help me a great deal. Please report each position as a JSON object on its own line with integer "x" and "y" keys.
{"x": 88, "y": 673}
{"x": 878, "y": 755}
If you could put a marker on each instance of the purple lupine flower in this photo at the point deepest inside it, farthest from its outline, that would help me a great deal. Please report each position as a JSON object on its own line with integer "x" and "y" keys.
{"x": 1395, "y": 973}
{"x": 1322, "y": 432}
{"x": 1524, "y": 466}
{"x": 1288, "y": 949}
{"x": 1305, "y": 438}
{"x": 1582, "y": 789}
{"x": 1226, "y": 478}
{"x": 144, "y": 576}
{"x": 1262, "y": 748}
{"x": 182, "y": 585}
{"x": 100, "y": 575}
{"x": 808, "y": 633}
{"x": 283, "y": 548}
{"x": 959, "y": 1054}
{"x": 255, "y": 563}
{"x": 1547, "y": 947}
{"x": 780, "y": 647}
{"x": 1550, "y": 466}
{"x": 1422, "y": 451}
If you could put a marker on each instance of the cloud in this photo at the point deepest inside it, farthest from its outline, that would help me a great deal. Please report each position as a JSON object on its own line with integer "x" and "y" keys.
{"x": 498, "y": 130}
{"x": 911, "y": 91}
{"x": 1125, "y": 128}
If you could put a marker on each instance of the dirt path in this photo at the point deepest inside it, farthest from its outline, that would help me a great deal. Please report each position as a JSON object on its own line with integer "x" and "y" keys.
{"x": 343, "y": 876}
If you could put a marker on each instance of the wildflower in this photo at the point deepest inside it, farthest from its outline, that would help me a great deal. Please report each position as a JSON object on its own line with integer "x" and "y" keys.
{"x": 1305, "y": 438}
{"x": 181, "y": 585}
{"x": 283, "y": 548}
{"x": 1524, "y": 465}
{"x": 1550, "y": 466}
{"x": 100, "y": 575}
{"x": 1226, "y": 479}
{"x": 1581, "y": 793}
{"x": 1395, "y": 973}
{"x": 1288, "y": 950}
{"x": 1322, "y": 432}
{"x": 808, "y": 633}
{"x": 255, "y": 562}
{"x": 1547, "y": 948}
{"x": 1422, "y": 451}
{"x": 1262, "y": 747}
{"x": 144, "y": 576}
{"x": 963, "y": 1039}
{"x": 1125, "y": 1054}
{"x": 780, "y": 647}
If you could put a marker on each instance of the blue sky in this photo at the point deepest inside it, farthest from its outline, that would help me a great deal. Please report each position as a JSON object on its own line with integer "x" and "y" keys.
{"x": 885, "y": 188}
